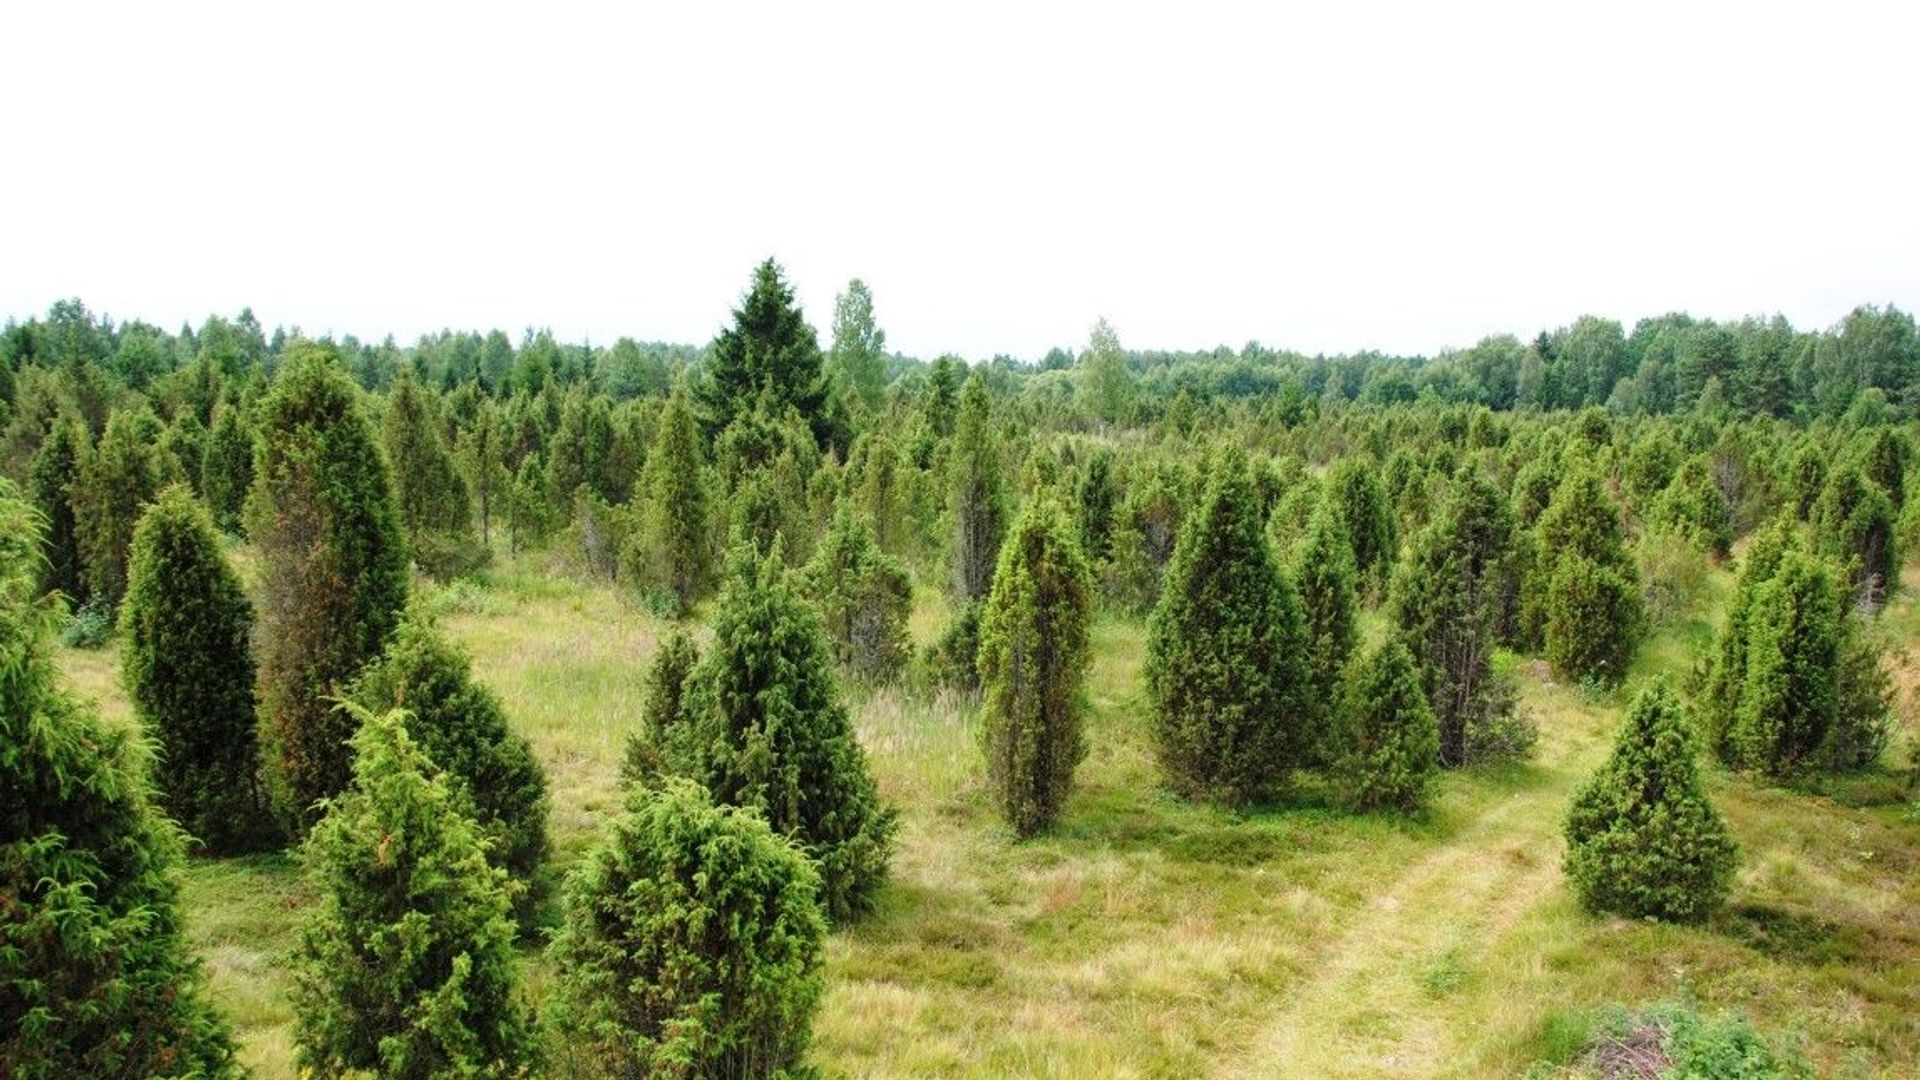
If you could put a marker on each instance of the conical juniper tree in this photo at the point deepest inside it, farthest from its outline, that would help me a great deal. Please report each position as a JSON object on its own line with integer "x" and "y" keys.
{"x": 1593, "y": 617}
{"x": 864, "y": 596}
{"x": 1328, "y": 581}
{"x": 429, "y": 492}
{"x": 1227, "y": 652}
{"x": 671, "y": 552}
{"x": 1353, "y": 487}
{"x": 1033, "y": 666}
{"x": 976, "y": 494}
{"x": 405, "y": 968}
{"x": 1725, "y": 677}
{"x": 1789, "y": 696}
{"x": 1853, "y": 521}
{"x": 96, "y": 978}
{"x": 54, "y": 479}
{"x": 1392, "y": 743}
{"x": 333, "y": 573}
{"x": 227, "y": 471}
{"x": 1446, "y": 599}
{"x": 663, "y": 734}
{"x": 123, "y": 474}
{"x": 771, "y": 733}
{"x": 692, "y": 945}
{"x": 1642, "y": 839}
{"x": 460, "y": 725}
{"x": 188, "y": 667}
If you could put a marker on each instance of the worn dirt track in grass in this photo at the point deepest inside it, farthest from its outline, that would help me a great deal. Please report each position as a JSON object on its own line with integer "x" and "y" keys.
{"x": 1374, "y": 1005}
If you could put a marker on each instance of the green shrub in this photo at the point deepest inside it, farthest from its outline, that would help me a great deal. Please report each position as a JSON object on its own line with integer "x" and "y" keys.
{"x": 88, "y": 626}
{"x": 691, "y": 948}
{"x": 662, "y": 735}
{"x": 1392, "y": 742}
{"x": 1642, "y": 839}
{"x": 864, "y": 597}
{"x": 461, "y": 727}
{"x": 1227, "y": 653}
{"x": 333, "y": 573}
{"x": 1033, "y": 667}
{"x": 670, "y": 554}
{"x": 54, "y": 479}
{"x": 976, "y": 494}
{"x": 96, "y": 978}
{"x": 405, "y": 968}
{"x": 770, "y": 733}
{"x": 188, "y": 668}
{"x": 1789, "y": 696}
{"x": 1593, "y": 621}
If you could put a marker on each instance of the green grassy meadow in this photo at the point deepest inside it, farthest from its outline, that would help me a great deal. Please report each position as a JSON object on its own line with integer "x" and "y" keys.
{"x": 1146, "y": 937}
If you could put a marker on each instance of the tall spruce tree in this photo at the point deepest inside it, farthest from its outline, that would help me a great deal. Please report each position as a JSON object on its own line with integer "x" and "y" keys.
{"x": 1446, "y": 600}
{"x": 1033, "y": 662}
{"x": 333, "y": 572}
{"x": 1391, "y": 742}
{"x": 405, "y": 968}
{"x": 227, "y": 471}
{"x": 769, "y": 348}
{"x": 55, "y": 478}
{"x": 771, "y": 733}
{"x": 1227, "y": 652}
{"x": 692, "y": 945}
{"x": 672, "y": 551}
{"x": 1642, "y": 839}
{"x": 976, "y": 494}
{"x": 188, "y": 668}
{"x": 96, "y": 978}
{"x": 462, "y": 728}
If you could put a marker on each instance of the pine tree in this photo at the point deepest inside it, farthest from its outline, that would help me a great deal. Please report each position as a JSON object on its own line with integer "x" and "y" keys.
{"x": 1642, "y": 839}
{"x": 227, "y": 471}
{"x": 769, "y": 347}
{"x": 1227, "y": 667}
{"x": 406, "y": 967}
{"x": 1328, "y": 582}
{"x": 671, "y": 549}
{"x": 55, "y": 479}
{"x": 1789, "y": 696}
{"x": 692, "y": 945}
{"x": 864, "y": 596}
{"x": 460, "y": 725}
{"x": 188, "y": 667}
{"x": 96, "y": 978}
{"x": 1392, "y": 743}
{"x": 772, "y": 734}
{"x": 1446, "y": 600}
{"x": 123, "y": 475}
{"x": 1033, "y": 659}
{"x": 977, "y": 496}
{"x": 333, "y": 567}
{"x": 663, "y": 735}
{"x": 1353, "y": 487}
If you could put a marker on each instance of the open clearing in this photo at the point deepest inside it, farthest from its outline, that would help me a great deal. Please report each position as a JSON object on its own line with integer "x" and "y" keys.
{"x": 1150, "y": 938}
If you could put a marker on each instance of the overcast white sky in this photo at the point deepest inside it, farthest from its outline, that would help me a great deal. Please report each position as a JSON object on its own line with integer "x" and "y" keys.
{"x": 1396, "y": 176}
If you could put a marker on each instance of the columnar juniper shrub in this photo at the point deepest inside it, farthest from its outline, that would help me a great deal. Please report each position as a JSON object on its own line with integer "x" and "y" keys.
{"x": 671, "y": 553}
{"x": 864, "y": 597}
{"x": 1033, "y": 667}
{"x": 663, "y": 732}
{"x": 1328, "y": 581}
{"x": 1392, "y": 744}
{"x": 188, "y": 667}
